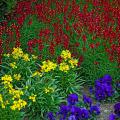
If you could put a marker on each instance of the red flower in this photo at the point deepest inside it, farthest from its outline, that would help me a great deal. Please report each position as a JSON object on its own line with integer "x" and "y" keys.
{"x": 111, "y": 58}
{"x": 96, "y": 63}
{"x": 92, "y": 45}
{"x": 59, "y": 59}
{"x": 80, "y": 60}
{"x": 52, "y": 48}
{"x": 84, "y": 38}
{"x": 77, "y": 44}
{"x": 40, "y": 47}
{"x": 65, "y": 41}
{"x": 30, "y": 22}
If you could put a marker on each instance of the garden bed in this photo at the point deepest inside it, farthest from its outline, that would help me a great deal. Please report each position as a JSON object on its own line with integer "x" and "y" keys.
{"x": 60, "y": 59}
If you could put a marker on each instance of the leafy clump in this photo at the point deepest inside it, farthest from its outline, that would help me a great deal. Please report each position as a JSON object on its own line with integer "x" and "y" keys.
{"x": 27, "y": 84}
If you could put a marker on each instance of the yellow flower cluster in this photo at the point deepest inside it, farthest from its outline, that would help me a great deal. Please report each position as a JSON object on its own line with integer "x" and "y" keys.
{"x": 33, "y": 98}
{"x": 3, "y": 104}
{"x": 17, "y": 76}
{"x": 13, "y": 65}
{"x": 66, "y": 54}
{"x": 73, "y": 62}
{"x": 48, "y": 66}
{"x": 18, "y": 104}
{"x": 17, "y": 53}
{"x": 64, "y": 67}
{"x": 26, "y": 57}
{"x": 34, "y": 57}
{"x": 7, "y": 79}
{"x": 37, "y": 73}
{"x": 16, "y": 93}
{"x": 68, "y": 61}
{"x": 49, "y": 89}
{"x": 1, "y": 99}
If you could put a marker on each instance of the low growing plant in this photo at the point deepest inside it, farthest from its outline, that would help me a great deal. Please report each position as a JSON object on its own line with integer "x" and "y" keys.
{"x": 36, "y": 87}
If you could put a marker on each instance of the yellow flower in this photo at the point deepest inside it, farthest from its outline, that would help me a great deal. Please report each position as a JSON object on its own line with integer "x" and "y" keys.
{"x": 9, "y": 86}
{"x": 1, "y": 99}
{"x": 26, "y": 57}
{"x": 48, "y": 66}
{"x": 6, "y": 102}
{"x": 18, "y": 105}
{"x": 49, "y": 89}
{"x": 13, "y": 65}
{"x": 6, "y": 79}
{"x": 33, "y": 98}
{"x": 17, "y": 76}
{"x": 66, "y": 54}
{"x": 17, "y": 53}
{"x": 73, "y": 62}
{"x": 34, "y": 57}
{"x": 37, "y": 73}
{"x": 7, "y": 55}
{"x": 15, "y": 93}
{"x": 3, "y": 105}
{"x": 64, "y": 67}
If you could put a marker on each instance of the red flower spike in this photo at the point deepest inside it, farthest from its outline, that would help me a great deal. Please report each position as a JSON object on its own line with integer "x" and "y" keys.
{"x": 80, "y": 60}
{"x": 111, "y": 58}
{"x": 77, "y": 44}
{"x": 52, "y": 48}
{"x": 84, "y": 38}
{"x": 30, "y": 22}
{"x": 92, "y": 45}
{"x": 59, "y": 59}
{"x": 40, "y": 47}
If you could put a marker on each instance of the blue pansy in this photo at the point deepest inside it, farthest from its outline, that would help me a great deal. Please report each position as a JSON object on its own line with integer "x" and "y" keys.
{"x": 87, "y": 100}
{"x": 50, "y": 116}
{"x": 72, "y": 99}
{"x": 95, "y": 110}
{"x": 117, "y": 109}
{"x": 112, "y": 117}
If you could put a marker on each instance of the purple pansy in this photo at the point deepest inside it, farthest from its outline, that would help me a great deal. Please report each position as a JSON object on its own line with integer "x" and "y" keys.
{"x": 72, "y": 99}
{"x": 50, "y": 116}
{"x": 87, "y": 100}
{"x": 95, "y": 110}
{"x": 117, "y": 109}
{"x": 112, "y": 117}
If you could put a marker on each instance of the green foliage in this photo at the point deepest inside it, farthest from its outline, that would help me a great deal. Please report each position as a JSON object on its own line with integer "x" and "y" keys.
{"x": 50, "y": 87}
{"x": 10, "y": 4}
{"x": 92, "y": 71}
{"x": 7, "y": 114}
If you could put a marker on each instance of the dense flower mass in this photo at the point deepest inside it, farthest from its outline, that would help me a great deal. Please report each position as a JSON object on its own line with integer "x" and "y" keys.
{"x": 84, "y": 29}
{"x": 18, "y": 105}
{"x": 74, "y": 112}
{"x": 7, "y": 79}
{"x": 72, "y": 99}
{"x": 103, "y": 87}
{"x": 64, "y": 67}
{"x": 66, "y": 54}
{"x": 17, "y": 53}
{"x": 48, "y": 66}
